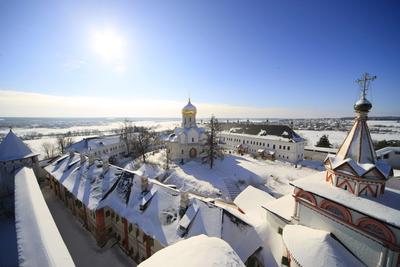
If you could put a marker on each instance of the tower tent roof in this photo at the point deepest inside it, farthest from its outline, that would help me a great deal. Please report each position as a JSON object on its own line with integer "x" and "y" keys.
{"x": 358, "y": 149}
{"x": 12, "y": 148}
{"x": 358, "y": 144}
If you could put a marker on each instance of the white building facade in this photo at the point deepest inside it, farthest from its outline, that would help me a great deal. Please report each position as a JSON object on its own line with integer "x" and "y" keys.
{"x": 187, "y": 141}
{"x": 280, "y": 147}
{"x": 100, "y": 147}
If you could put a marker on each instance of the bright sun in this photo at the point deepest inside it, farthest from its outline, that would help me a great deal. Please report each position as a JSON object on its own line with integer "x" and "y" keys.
{"x": 108, "y": 44}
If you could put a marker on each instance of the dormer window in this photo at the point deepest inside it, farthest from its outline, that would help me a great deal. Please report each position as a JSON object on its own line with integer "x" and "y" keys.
{"x": 187, "y": 220}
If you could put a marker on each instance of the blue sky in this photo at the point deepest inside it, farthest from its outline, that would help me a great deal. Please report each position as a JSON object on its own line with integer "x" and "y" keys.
{"x": 278, "y": 58}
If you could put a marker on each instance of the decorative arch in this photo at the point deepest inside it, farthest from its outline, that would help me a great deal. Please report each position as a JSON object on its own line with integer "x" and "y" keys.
{"x": 345, "y": 184}
{"x": 193, "y": 152}
{"x": 307, "y": 196}
{"x": 376, "y": 229}
{"x": 336, "y": 210}
{"x": 329, "y": 177}
{"x": 368, "y": 188}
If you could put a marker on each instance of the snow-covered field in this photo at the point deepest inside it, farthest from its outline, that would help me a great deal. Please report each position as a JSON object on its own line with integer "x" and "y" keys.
{"x": 231, "y": 175}
{"x": 105, "y": 128}
{"x": 381, "y": 130}
{"x": 337, "y": 137}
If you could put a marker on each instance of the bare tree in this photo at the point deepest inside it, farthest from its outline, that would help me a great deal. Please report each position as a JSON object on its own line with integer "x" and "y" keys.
{"x": 126, "y": 133}
{"x": 213, "y": 150}
{"x": 49, "y": 150}
{"x": 63, "y": 141}
{"x": 143, "y": 142}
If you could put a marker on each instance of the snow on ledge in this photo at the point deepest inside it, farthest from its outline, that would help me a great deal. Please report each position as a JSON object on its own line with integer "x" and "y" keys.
{"x": 197, "y": 251}
{"x": 39, "y": 241}
{"x": 310, "y": 247}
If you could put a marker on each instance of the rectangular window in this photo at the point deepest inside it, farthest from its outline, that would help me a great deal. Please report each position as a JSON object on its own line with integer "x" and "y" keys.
{"x": 107, "y": 213}
{"x": 280, "y": 147}
{"x": 288, "y": 148}
{"x": 285, "y": 261}
{"x": 130, "y": 227}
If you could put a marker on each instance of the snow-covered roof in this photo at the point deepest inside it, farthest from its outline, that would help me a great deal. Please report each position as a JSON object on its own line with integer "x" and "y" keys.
{"x": 251, "y": 200}
{"x": 155, "y": 208}
{"x": 159, "y": 217}
{"x": 321, "y": 149}
{"x": 385, "y": 207}
{"x": 283, "y": 207}
{"x": 387, "y": 150}
{"x": 272, "y": 132}
{"x": 310, "y": 247}
{"x": 185, "y": 131}
{"x": 39, "y": 241}
{"x": 12, "y": 148}
{"x": 198, "y": 251}
{"x": 263, "y": 137}
{"x": 360, "y": 169}
{"x": 93, "y": 143}
{"x": 88, "y": 183}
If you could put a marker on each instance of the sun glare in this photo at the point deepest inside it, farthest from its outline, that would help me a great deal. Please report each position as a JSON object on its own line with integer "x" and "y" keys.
{"x": 108, "y": 44}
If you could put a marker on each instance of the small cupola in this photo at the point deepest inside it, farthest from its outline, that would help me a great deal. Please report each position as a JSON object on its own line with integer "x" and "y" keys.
{"x": 355, "y": 167}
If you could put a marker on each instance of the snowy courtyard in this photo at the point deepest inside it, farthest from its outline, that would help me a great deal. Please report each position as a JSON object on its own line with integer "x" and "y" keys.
{"x": 229, "y": 176}
{"x": 80, "y": 243}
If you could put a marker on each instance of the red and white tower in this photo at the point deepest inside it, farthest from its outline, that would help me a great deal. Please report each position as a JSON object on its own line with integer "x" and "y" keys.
{"x": 356, "y": 168}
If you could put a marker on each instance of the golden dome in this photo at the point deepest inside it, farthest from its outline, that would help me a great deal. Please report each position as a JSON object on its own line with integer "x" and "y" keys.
{"x": 189, "y": 109}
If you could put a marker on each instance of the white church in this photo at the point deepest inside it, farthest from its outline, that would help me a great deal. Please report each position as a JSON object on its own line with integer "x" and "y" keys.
{"x": 187, "y": 141}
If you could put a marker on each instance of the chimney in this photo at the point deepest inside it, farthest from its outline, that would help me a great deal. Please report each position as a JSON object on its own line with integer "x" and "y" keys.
{"x": 144, "y": 183}
{"x": 83, "y": 158}
{"x": 184, "y": 203}
{"x": 71, "y": 154}
{"x": 91, "y": 159}
{"x": 106, "y": 165}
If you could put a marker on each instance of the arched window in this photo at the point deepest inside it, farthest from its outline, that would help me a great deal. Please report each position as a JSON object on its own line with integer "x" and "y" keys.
{"x": 306, "y": 196}
{"x": 376, "y": 229}
{"x": 336, "y": 210}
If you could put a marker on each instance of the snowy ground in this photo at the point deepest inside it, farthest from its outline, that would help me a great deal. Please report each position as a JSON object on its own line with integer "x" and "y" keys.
{"x": 232, "y": 175}
{"x": 337, "y": 137}
{"x": 79, "y": 242}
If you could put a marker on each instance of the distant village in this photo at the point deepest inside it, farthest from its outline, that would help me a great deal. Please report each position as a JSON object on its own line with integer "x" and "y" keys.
{"x": 202, "y": 185}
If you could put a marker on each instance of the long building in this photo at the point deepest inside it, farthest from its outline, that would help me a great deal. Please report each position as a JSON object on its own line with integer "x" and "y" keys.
{"x": 276, "y": 141}
{"x": 29, "y": 235}
{"x": 142, "y": 214}
{"x": 99, "y": 147}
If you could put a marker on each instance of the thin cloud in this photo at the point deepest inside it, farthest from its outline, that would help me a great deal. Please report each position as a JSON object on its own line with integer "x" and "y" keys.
{"x": 16, "y": 103}
{"x": 74, "y": 64}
